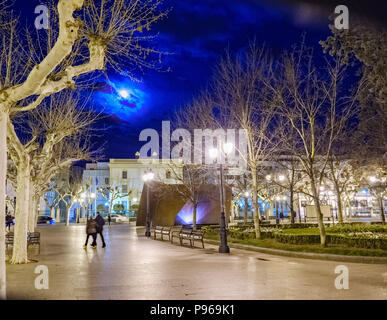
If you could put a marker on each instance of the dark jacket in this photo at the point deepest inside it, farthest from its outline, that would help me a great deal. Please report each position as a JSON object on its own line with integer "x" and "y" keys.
{"x": 91, "y": 226}
{"x": 100, "y": 223}
{"x": 8, "y": 219}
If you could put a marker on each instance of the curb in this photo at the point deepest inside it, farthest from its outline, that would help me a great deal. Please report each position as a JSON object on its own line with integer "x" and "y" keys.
{"x": 306, "y": 255}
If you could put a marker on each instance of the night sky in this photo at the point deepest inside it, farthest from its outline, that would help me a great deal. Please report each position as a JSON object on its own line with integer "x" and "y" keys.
{"x": 197, "y": 32}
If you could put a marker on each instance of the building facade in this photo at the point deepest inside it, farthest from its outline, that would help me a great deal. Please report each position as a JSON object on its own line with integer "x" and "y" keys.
{"x": 95, "y": 180}
{"x": 127, "y": 176}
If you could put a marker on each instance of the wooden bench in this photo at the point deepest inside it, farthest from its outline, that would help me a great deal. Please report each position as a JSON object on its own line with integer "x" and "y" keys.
{"x": 158, "y": 230}
{"x": 161, "y": 231}
{"x": 192, "y": 236}
{"x": 166, "y": 232}
{"x": 175, "y": 232}
{"x": 33, "y": 238}
{"x": 9, "y": 239}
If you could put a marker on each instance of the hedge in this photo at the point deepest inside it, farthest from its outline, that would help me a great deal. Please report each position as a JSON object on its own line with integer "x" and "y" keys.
{"x": 346, "y": 228}
{"x": 340, "y": 239}
{"x": 302, "y": 239}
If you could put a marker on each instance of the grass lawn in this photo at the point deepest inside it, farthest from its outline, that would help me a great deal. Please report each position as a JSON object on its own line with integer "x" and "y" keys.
{"x": 313, "y": 248}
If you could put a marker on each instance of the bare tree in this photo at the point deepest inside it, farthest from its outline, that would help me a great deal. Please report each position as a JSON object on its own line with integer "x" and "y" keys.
{"x": 241, "y": 186}
{"x": 288, "y": 178}
{"x": 112, "y": 193}
{"x": 46, "y": 126}
{"x": 105, "y": 33}
{"x": 245, "y": 102}
{"x": 51, "y": 202}
{"x": 314, "y": 111}
{"x": 374, "y": 176}
{"x": 189, "y": 179}
{"x": 69, "y": 190}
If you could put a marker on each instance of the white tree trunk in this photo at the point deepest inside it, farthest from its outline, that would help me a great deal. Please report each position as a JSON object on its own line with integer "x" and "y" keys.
{"x": 257, "y": 226}
{"x": 68, "y": 215}
{"x": 3, "y": 174}
{"x": 21, "y": 217}
{"x": 52, "y": 212}
{"x": 32, "y": 219}
{"x": 31, "y": 211}
{"x": 57, "y": 214}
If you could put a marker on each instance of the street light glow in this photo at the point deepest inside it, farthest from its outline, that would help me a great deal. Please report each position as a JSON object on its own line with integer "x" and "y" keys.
{"x": 281, "y": 178}
{"x": 268, "y": 177}
{"x": 213, "y": 152}
{"x": 228, "y": 147}
{"x": 148, "y": 176}
{"x": 373, "y": 179}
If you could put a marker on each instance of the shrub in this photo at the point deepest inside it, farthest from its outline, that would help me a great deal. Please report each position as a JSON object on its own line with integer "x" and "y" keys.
{"x": 358, "y": 242}
{"x": 297, "y": 238}
{"x": 363, "y": 241}
{"x": 358, "y": 227}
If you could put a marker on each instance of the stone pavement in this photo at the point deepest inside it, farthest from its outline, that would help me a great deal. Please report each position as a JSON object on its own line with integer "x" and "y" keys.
{"x": 134, "y": 267}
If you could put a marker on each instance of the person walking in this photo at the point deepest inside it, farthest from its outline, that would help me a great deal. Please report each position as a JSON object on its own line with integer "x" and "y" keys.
{"x": 109, "y": 219}
{"x": 8, "y": 221}
{"x": 100, "y": 223}
{"x": 91, "y": 230}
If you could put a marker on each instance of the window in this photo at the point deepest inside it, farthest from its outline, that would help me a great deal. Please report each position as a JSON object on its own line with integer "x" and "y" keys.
{"x": 168, "y": 174}
{"x": 124, "y": 188}
{"x": 124, "y": 174}
{"x": 106, "y": 180}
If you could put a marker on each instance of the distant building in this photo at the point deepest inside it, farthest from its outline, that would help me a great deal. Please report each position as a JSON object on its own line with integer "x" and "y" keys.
{"x": 128, "y": 174}
{"x": 95, "y": 178}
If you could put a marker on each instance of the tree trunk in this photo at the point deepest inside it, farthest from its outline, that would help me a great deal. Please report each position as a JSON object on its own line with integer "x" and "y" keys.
{"x": 32, "y": 218}
{"x": 195, "y": 206}
{"x": 255, "y": 204}
{"x": 68, "y": 208}
{"x": 339, "y": 207}
{"x": 246, "y": 211}
{"x": 21, "y": 216}
{"x": 291, "y": 204}
{"x": 319, "y": 214}
{"x": 33, "y": 207}
{"x": 3, "y": 175}
{"x": 57, "y": 214}
{"x": 52, "y": 212}
{"x": 381, "y": 208}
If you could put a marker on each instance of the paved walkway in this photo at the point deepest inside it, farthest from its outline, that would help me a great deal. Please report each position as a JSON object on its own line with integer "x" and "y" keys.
{"x": 133, "y": 267}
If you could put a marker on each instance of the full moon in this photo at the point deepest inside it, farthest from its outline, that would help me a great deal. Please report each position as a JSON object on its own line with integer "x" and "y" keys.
{"x": 123, "y": 93}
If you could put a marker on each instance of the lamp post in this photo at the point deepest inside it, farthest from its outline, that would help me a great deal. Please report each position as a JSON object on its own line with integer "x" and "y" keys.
{"x": 227, "y": 148}
{"x": 147, "y": 177}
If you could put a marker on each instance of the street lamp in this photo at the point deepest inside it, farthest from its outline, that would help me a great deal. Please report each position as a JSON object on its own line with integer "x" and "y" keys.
{"x": 227, "y": 148}
{"x": 147, "y": 177}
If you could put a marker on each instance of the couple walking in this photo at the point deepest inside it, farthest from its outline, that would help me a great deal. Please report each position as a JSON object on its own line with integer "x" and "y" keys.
{"x": 94, "y": 227}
